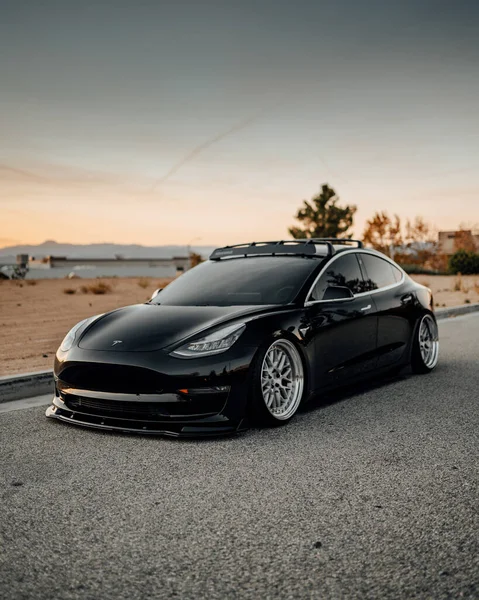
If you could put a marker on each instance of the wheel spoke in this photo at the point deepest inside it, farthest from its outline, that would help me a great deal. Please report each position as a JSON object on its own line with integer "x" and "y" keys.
{"x": 276, "y": 403}
{"x": 276, "y": 357}
{"x": 429, "y": 331}
{"x": 281, "y": 362}
{"x": 268, "y": 398}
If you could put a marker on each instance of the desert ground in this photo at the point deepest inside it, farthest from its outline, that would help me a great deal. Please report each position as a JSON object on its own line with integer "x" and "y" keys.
{"x": 36, "y": 315}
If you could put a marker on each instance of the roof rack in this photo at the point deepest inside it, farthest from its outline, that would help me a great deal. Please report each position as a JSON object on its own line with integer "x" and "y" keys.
{"x": 338, "y": 241}
{"x": 294, "y": 247}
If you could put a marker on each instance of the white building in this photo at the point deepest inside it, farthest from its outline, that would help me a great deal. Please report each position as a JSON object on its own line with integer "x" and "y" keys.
{"x": 56, "y": 267}
{"x": 447, "y": 240}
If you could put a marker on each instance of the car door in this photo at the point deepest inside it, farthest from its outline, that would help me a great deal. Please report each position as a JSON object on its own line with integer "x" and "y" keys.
{"x": 385, "y": 282}
{"x": 343, "y": 331}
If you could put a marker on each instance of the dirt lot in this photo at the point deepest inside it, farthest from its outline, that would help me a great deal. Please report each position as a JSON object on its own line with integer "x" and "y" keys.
{"x": 451, "y": 290}
{"x": 35, "y": 316}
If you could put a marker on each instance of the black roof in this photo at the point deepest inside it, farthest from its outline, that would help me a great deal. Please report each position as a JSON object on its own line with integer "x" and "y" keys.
{"x": 311, "y": 247}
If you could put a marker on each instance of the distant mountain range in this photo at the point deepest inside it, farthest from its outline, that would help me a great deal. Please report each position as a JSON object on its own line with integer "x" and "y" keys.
{"x": 52, "y": 248}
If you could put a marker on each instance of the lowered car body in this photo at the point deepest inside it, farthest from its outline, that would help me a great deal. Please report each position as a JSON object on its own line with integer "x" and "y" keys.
{"x": 167, "y": 391}
{"x": 245, "y": 337}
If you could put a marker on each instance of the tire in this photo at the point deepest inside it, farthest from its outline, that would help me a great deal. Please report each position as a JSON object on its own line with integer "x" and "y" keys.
{"x": 277, "y": 383}
{"x": 425, "y": 348}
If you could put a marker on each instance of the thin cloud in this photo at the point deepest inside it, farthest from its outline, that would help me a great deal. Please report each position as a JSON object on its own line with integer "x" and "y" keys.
{"x": 207, "y": 144}
{"x": 21, "y": 173}
{"x": 220, "y": 137}
{"x": 63, "y": 176}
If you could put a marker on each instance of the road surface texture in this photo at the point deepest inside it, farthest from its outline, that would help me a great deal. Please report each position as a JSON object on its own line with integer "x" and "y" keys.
{"x": 372, "y": 494}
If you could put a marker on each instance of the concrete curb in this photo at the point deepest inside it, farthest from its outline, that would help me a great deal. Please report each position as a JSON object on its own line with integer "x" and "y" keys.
{"x": 27, "y": 385}
{"x": 455, "y": 311}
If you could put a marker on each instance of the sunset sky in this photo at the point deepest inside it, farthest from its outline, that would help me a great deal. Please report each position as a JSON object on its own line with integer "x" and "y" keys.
{"x": 155, "y": 122}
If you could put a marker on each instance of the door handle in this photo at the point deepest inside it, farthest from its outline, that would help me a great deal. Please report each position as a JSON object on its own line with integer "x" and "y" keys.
{"x": 366, "y": 307}
{"x": 407, "y": 299}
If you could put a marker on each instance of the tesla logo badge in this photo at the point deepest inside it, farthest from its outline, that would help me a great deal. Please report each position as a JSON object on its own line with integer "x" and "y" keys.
{"x": 115, "y": 342}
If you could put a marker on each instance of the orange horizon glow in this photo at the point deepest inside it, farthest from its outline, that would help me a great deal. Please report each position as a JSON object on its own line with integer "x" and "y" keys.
{"x": 82, "y": 207}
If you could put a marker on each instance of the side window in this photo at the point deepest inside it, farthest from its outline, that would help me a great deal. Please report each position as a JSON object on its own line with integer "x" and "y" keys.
{"x": 379, "y": 273}
{"x": 344, "y": 271}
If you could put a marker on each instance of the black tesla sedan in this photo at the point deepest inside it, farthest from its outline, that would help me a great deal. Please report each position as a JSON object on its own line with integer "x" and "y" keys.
{"x": 246, "y": 337}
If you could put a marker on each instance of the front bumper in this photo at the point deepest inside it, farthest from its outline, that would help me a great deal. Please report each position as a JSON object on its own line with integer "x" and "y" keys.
{"x": 122, "y": 392}
{"x": 193, "y": 429}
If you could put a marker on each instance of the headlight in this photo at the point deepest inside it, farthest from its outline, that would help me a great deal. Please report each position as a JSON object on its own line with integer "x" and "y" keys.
{"x": 214, "y": 343}
{"x": 69, "y": 339}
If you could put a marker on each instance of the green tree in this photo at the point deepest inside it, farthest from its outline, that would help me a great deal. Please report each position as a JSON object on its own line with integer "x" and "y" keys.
{"x": 322, "y": 217}
{"x": 464, "y": 262}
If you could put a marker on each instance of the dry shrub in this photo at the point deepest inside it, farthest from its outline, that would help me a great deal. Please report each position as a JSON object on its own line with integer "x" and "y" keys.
{"x": 144, "y": 283}
{"x": 438, "y": 262}
{"x": 98, "y": 288}
{"x": 101, "y": 288}
{"x": 31, "y": 282}
{"x": 69, "y": 291}
{"x": 476, "y": 287}
{"x": 459, "y": 284}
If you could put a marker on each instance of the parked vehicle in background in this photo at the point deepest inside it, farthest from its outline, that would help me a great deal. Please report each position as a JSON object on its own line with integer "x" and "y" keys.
{"x": 13, "y": 272}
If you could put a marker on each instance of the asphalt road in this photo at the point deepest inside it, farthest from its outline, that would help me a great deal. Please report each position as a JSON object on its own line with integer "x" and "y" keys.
{"x": 374, "y": 495}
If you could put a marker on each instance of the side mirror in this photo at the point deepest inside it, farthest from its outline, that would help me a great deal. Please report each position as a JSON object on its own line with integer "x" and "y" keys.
{"x": 155, "y": 293}
{"x": 337, "y": 292}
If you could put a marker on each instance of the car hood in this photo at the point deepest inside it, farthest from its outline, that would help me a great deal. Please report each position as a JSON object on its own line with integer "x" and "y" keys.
{"x": 144, "y": 327}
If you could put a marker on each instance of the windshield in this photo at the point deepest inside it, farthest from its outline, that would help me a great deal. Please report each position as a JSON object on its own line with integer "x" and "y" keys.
{"x": 239, "y": 281}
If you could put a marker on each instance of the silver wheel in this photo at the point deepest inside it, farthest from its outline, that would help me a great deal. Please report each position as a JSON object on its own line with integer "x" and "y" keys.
{"x": 282, "y": 379}
{"x": 428, "y": 341}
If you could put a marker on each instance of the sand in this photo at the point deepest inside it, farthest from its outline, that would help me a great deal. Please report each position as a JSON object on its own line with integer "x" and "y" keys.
{"x": 35, "y": 318}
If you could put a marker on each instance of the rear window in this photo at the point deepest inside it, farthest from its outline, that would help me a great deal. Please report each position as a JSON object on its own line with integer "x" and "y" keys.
{"x": 378, "y": 272}
{"x": 239, "y": 281}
